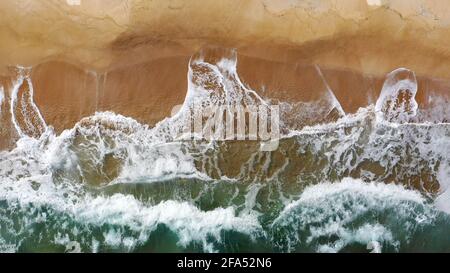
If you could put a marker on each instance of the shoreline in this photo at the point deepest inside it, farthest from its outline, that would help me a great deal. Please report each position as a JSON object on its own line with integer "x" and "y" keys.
{"x": 131, "y": 57}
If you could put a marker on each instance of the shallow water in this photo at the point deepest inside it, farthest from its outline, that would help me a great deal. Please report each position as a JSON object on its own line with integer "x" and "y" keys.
{"x": 371, "y": 181}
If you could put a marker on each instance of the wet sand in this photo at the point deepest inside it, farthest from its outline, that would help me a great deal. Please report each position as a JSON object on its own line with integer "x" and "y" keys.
{"x": 131, "y": 57}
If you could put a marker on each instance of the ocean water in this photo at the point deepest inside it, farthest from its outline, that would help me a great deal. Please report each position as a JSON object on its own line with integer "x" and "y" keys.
{"x": 372, "y": 181}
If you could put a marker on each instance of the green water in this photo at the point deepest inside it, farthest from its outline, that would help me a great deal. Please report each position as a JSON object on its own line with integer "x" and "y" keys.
{"x": 347, "y": 220}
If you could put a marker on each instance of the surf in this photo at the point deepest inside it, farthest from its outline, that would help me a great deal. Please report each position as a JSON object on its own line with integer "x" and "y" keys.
{"x": 373, "y": 180}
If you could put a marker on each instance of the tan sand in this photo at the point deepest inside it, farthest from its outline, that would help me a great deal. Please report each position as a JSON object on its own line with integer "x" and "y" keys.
{"x": 131, "y": 57}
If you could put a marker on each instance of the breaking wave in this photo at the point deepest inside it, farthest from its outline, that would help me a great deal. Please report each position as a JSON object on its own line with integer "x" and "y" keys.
{"x": 375, "y": 180}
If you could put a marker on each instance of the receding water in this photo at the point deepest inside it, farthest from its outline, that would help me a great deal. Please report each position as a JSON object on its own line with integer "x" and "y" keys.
{"x": 372, "y": 181}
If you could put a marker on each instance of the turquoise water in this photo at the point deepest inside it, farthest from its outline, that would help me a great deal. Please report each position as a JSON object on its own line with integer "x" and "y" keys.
{"x": 373, "y": 181}
{"x": 314, "y": 203}
{"x": 350, "y": 216}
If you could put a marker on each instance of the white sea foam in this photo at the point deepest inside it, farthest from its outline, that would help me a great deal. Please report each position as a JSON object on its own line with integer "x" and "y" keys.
{"x": 33, "y": 122}
{"x": 443, "y": 200}
{"x": 396, "y": 102}
{"x": 330, "y": 210}
{"x": 51, "y": 170}
{"x": 31, "y": 184}
{"x": 187, "y": 221}
{"x": 124, "y": 212}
